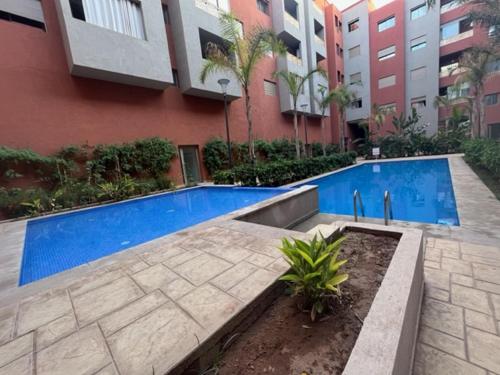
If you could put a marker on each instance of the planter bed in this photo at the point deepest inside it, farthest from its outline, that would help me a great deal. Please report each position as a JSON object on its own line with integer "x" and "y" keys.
{"x": 284, "y": 341}
{"x": 371, "y": 331}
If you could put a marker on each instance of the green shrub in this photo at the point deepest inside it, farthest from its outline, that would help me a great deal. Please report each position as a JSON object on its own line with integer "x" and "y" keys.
{"x": 283, "y": 172}
{"x": 215, "y": 155}
{"x": 484, "y": 153}
{"x": 315, "y": 272}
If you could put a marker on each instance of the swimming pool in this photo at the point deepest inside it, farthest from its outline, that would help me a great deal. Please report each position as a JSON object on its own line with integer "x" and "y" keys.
{"x": 421, "y": 190}
{"x": 57, "y": 243}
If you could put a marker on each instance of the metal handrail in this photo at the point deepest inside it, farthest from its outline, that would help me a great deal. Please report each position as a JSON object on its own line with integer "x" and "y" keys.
{"x": 387, "y": 207}
{"x": 355, "y": 197}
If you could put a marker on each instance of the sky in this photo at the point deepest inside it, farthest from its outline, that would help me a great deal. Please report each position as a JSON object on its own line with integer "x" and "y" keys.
{"x": 342, "y": 4}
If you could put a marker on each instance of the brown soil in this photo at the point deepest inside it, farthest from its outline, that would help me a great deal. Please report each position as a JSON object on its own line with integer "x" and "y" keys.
{"x": 285, "y": 341}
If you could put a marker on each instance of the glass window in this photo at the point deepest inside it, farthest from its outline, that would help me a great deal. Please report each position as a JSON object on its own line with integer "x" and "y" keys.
{"x": 387, "y": 81}
{"x": 355, "y": 78}
{"x": 175, "y": 75}
{"x": 354, "y": 51}
{"x": 419, "y": 103}
{"x": 453, "y": 28}
{"x": 263, "y": 6}
{"x": 386, "y": 53}
{"x": 357, "y": 103}
{"x": 491, "y": 99}
{"x": 418, "y": 73}
{"x": 494, "y": 131}
{"x": 269, "y": 88}
{"x": 387, "y": 23}
{"x": 418, "y": 43}
{"x": 418, "y": 11}
{"x": 387, "y": 108}
{"x": 166, "y": 16}
{"x": 353, "y": 25}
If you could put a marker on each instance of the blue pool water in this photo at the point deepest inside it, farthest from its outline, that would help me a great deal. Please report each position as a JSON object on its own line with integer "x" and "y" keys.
{"x": 421, "y": 191}
{"x": 58, "y": 243}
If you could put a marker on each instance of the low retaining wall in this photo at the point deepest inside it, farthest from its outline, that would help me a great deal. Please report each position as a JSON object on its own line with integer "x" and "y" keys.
{"x": 286, "y": 211}
{"x": 386, "y": 343}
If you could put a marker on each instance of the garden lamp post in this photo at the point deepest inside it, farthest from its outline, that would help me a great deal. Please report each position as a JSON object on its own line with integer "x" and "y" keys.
{"x": 306, "y": 148}
{"x": 223, "y": 82}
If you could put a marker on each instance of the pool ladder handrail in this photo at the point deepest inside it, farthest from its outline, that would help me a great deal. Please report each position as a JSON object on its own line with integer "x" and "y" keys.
{"x": 387, "y": 207}
{"x": 357, "y": 195}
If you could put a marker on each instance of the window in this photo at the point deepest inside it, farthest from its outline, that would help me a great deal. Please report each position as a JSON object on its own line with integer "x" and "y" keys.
{"x": 263, "y": 6}
{"x": 319, "y": 30}
{"x": 387, "y": 81}
{"x": 418, "y": 11}
{"x": 209, "y": 41}
{"x": 166, "y": 15}
{"x": 387, "y": 23}
{"x": 494, "y": 131}
{"x": 6, "y": 16}
{"x": 492, "y": 31}
{"x": 355, "y": 79}
{"x": 354, "y": 51}
{"x": 357, "y": 103}
{"x": 491, "y": 99}
{"x": 493, "y": 66}
{"x": 292, "y": 9}
{"x": 447, "y": 5}
{"x": 419, "y": 73}
{"x": 454, "y": 28}
{"x": 454, "y": 92}
{"x": 418, "y": 43}
{"x": 336, "y": 21}
{"x": 386, "y": 53}
{"x": 353, "y": 25}
{"x": 269, "y": 88}
{"x": 419, "y": 103}
{"x": 387, "y": 108}
{"x": 175, "y": 76}
{"x": 122, "y": 16}
{"x": 338, "y": 76}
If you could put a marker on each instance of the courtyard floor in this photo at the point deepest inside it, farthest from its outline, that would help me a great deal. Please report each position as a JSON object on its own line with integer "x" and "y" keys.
{"x": 182, "y": 288}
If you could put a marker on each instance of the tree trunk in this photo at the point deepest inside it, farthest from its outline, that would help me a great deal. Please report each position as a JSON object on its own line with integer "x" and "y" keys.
{"x": 323, "y": 145}
{"x": 251, "y": 146}
{"x": 482, "y": 130}
{"x": 296, "y": 129}
{"x": 341, "y": 132}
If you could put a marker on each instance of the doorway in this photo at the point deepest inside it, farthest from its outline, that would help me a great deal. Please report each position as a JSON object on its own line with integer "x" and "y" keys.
{"x": 190, "y": 162}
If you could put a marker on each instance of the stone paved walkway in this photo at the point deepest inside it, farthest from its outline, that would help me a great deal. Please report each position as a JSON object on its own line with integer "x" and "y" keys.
{"x": 460, "y": 323}
{"x": 145, "y": 311}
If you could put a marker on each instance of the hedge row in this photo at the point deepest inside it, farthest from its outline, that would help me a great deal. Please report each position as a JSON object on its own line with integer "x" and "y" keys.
{"x": 283, "y": 172}
{"x": 484, "y": 153}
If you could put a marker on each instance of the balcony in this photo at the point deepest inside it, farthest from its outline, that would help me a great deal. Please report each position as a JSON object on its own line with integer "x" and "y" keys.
{"x": 456, "y": 38}
{"x": 113, "y": 45}
{"x": 213, "y": 7}
{"x": 292, "y": 20}
{"x": 449, "y": 6}
{"x": 294, "y": 59}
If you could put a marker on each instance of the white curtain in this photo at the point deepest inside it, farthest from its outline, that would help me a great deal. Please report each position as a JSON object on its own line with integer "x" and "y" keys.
{"x": 123, "y": 16}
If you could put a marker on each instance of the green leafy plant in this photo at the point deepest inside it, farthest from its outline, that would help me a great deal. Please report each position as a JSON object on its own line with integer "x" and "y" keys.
{"x": 121, "y": 189}
{"x": 34, "y": 207}
{"x": 315, "y": 272}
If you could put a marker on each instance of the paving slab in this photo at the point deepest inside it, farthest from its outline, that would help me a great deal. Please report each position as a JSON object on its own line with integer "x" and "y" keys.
{"x": 443, "y": 342}
{"x": 234, "y": 275}
{"x": 484, "y": 349}
{"x": 38, "y": 311}
{"x": 123, "y": 317}
{"x": 155, "y": 341}
{"x": 471, "y": 298}
{"x": 444, "y": 317}
{"x": 83, "y": 352}
{"x": 16, "y": 349}
{"x": 202, "y": 268}
{"x": 55, "y": 330}
{"x": 249, "y": 288}
{"x": 456, "y": 266}
{"x": 177, "y": 288}
{"x": 487, "y": 273}
{"x": 430, "y": 361}
{"x": 21, "y": 366}
{"x": 480, "y": 321}
{"x": 98, "y": 302}
{"x": 154, "y": 277}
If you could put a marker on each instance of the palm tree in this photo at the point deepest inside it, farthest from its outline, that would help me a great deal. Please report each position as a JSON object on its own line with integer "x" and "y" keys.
{"x": 475, "y": 66}
{"x": 323, "y": 103}
{"x": 240, "y": 57}
{"x": 486, "y": 13}
{"x": 343, "y": 98}
{"x": 295, "y": 82}
{"x": 459, "y": 107}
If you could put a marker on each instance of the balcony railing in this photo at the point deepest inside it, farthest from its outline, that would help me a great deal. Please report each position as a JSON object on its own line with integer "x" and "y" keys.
{"x": 457, "y": 37}
{"x": 294, "y": 21}
{"x": 294, "y": 59}
{"x": 319, "y": 40}
{"x": 450, "y": 70}
{"x": 210, "y": 7}
{"x": 451, "y": 5}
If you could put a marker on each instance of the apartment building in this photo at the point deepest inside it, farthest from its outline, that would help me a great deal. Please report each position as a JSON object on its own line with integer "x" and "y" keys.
{"x": 93, "y": 71}
{"x": 399, "y": 56}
